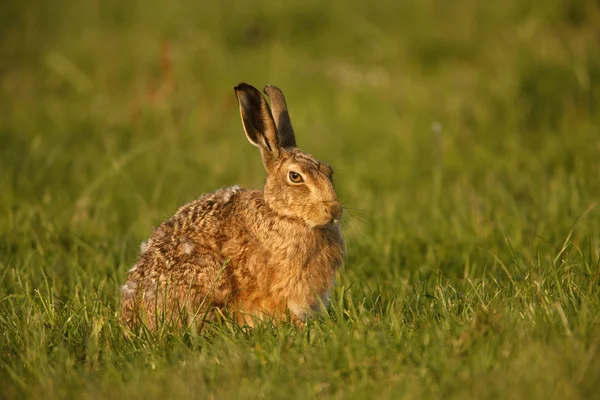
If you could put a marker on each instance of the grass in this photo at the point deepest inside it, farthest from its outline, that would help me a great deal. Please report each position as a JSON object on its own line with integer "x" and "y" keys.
{"x": 465, "y": 141}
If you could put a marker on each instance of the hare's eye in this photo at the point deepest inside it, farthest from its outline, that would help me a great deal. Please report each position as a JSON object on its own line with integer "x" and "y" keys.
{"x": 295, "y": 177}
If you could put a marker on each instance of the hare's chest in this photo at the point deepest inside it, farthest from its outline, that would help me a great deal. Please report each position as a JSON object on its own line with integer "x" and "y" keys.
{"x": 297, "y": 275}
{"x": 311, "y": 282}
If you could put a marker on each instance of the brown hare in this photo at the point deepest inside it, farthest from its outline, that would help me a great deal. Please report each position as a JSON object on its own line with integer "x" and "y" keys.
{"x": 256, "y": 254}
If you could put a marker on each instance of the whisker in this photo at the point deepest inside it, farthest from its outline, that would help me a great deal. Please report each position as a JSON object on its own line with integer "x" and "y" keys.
{"x": 346, "y": 237}
{"x": 346, "y": 207}
{"x": 358, "y": 218}
{"x": 352, "y": 235}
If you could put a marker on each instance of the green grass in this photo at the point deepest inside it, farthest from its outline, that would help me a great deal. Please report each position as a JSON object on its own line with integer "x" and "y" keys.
{"x": 465, "y": 138}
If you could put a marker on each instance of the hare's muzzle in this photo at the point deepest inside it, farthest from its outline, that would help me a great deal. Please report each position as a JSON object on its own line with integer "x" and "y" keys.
{"x": 334, "y": 211}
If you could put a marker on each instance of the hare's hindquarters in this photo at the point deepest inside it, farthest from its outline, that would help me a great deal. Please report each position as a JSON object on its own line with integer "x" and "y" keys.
{"x": 187, "y": 288}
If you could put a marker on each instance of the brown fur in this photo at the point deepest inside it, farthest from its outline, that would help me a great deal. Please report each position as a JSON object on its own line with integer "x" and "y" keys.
{"x": 256, "y": 253}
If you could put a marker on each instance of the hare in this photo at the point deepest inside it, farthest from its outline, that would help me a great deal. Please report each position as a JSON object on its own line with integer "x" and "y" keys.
{"x": 254, "y": 253}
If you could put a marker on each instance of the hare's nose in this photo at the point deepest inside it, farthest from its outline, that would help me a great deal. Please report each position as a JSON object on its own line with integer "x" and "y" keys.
{"x": 334, "y": 210}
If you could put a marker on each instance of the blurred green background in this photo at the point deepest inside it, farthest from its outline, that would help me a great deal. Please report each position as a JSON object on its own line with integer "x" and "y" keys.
{"x": 465, "y": 139}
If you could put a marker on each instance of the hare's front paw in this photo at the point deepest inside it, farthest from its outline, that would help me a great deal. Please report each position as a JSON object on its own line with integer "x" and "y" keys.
{"x": 298, "y": 313}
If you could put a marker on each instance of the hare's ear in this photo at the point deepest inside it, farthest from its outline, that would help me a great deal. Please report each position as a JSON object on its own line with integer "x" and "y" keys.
{"x": 281, "y": 116}
{"x": 258, "y": 121}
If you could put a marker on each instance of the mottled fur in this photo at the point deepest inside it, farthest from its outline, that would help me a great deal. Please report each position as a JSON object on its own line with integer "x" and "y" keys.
{"x": 254, "y": 253}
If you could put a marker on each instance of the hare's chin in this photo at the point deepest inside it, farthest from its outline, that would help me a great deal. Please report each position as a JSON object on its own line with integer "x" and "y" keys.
{"x": 322, "y": 224}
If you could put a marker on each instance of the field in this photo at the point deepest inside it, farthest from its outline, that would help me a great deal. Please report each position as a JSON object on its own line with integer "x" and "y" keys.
{"x": 466, "y": 142}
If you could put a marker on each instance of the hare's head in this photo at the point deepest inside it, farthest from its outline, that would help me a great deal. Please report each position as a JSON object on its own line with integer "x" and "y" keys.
{"x": 297, "y": 186}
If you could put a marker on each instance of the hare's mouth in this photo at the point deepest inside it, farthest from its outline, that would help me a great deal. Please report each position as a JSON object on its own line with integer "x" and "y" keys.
{"x": 326, "y": 222}
{"x": 333, "y": 221}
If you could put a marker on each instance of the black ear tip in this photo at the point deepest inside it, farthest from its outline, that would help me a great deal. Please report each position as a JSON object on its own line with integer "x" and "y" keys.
{"x": 243, "y": 86}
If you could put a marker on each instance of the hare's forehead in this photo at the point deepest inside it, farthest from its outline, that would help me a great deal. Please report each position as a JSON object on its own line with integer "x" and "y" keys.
{"x": 302, "y": 162}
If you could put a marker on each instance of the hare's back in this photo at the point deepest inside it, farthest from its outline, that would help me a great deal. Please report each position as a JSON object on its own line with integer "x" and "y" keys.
{"x": 204, "y": 219}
